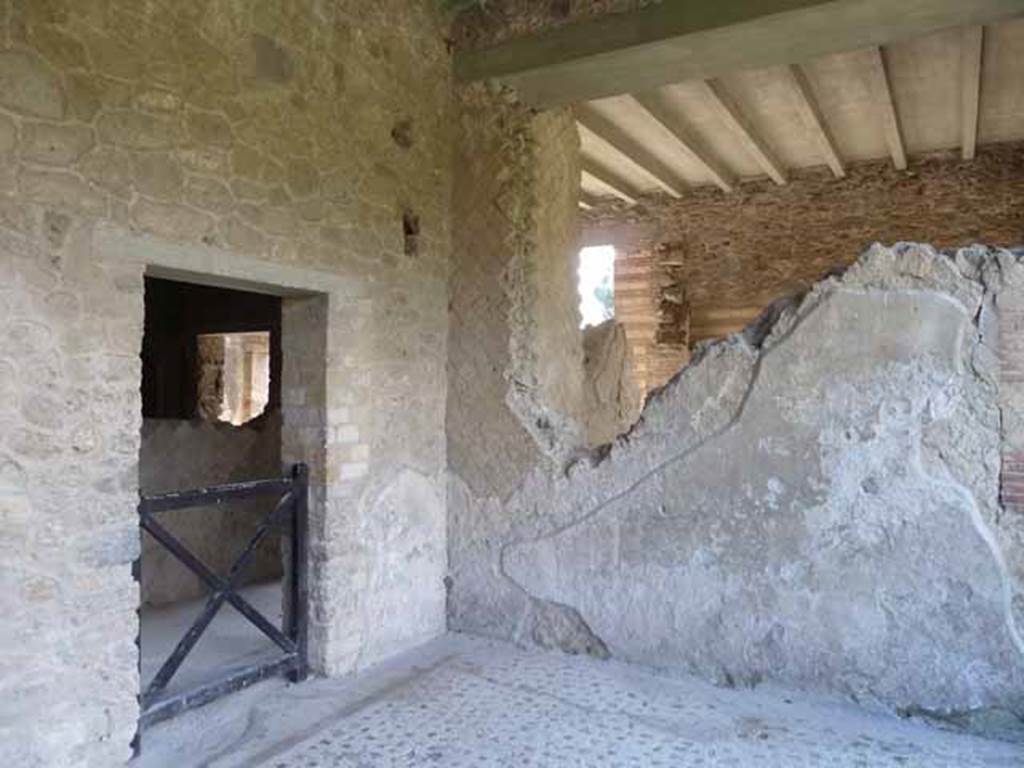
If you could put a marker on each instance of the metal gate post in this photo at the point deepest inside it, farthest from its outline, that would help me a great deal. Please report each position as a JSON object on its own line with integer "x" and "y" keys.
{"x": 299, "y": 614}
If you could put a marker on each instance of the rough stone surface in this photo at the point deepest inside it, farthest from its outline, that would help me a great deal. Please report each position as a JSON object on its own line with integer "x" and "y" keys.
{"x": 612, "y": 398}
{"x": 28, "y": 86}
{"x": 815, "y": 502}
{"x": 516, "y": 395}
{"x": 515, "y": 352}
{"x": 496, "y": 21}
{"x": 169, "y": 94}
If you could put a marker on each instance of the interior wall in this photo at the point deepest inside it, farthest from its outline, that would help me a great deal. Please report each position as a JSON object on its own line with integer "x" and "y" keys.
{"x": 282, "y": 143}
{"x": 517, "y": 395}
{"x": 814, "y": 502}
{"x": 733, "y": 254}
{"x": 180, "y": 449}
{"x": 179, "y": 454}
{"x": 832, "y": 519}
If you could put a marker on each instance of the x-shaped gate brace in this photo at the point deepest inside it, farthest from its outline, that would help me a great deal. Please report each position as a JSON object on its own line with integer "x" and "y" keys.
{"x": 293, "y": 503}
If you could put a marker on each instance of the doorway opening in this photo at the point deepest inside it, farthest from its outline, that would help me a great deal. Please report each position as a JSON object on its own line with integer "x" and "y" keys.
{"x": 211, "y": 393}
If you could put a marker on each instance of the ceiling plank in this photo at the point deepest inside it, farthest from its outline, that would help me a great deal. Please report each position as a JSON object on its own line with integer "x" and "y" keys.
{"x": 611, "y": 134}
{"x": 675, "y": 41}
{"x": 606, "y": 179}
{"x": 654, "y": 107}
{"x": 881, "y": 93}
{"x": 730, "y": 113}
{"x": 810, "y": 113}
{"x": 588, "y": 200}
{"x": 970, "y": 89}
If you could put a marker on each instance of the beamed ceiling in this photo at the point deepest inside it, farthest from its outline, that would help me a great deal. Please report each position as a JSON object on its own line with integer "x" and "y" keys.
{"x": 684, "y": 95}
{"x": 954, "y": 89}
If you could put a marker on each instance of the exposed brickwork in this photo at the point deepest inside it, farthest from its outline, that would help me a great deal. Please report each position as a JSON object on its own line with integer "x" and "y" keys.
{"x": 739, "y": 252}
{"x": 651, "y": 306}
{"x": 1011, "y": 381}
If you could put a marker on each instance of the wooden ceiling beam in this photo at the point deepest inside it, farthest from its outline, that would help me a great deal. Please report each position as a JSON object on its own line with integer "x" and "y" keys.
{"x": 810, "y": 114}
{"x": 730, "y": 113}
{"x": 587, "y": 200}
{"x": 671, "y": 42}
{"x": 612, "y": 135}
{"x": 652, "y": 104}
{"x": 970, "y": 89}
{"x": 607, "y": 179}
{"x": 881, "y": 94}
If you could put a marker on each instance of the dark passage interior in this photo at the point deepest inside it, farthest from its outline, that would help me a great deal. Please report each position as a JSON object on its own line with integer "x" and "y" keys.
{"x": 211, "y": 398}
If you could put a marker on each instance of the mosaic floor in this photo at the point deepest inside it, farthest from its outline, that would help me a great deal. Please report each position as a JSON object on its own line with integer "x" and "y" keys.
{"x": 466, "y": 702}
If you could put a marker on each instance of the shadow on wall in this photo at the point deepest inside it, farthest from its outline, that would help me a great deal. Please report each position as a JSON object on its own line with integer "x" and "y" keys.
{"x": 211, "y": 359}
{"x": 178, "y": 455}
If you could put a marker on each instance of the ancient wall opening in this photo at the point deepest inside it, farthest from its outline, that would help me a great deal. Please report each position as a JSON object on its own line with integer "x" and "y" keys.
{"x": 203, "y": 348}
{"x": 187, "y": 391}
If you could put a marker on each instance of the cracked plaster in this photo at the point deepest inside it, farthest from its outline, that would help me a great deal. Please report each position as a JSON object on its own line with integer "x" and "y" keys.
{"x": 814, "y": 501}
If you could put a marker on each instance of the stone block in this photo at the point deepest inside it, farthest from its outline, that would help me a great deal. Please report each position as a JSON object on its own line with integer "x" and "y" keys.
{"x": 239, "y": 236}
{"x": 8, "y": 134}
{"x": 158, "y": 175}
{"x": 138, "y": 130}
{"x": 60, "y": 49}
{"x": 110, "y": 168}
{"x": 208, "y": 194}
{"x": 54, "y": 144}
{"x": 208, "y": 129}
{"x": 63, "y": 190}
{"x": 28, "y": 86}
{"x": 176, "y": 222}
{"x": 303, "y": 178}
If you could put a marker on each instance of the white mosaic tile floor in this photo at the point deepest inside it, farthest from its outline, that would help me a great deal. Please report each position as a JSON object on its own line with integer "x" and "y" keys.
{"x": 467, "y": 702}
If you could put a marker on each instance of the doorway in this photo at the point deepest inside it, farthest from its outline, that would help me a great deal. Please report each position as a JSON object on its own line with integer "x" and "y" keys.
{"x": 220, "y": 515}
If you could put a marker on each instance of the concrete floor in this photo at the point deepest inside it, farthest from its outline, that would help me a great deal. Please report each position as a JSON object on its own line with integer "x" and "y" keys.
{"x": 462, "y": 701}
{"x": 230, "y": 640}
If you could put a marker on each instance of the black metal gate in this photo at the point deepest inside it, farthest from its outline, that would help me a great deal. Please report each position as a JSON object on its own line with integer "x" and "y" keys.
{"x": 291, "y": 512}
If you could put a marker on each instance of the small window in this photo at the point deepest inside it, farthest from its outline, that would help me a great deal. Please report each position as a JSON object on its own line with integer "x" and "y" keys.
{"x": 597, "y": 284}
{"x": 233, "y": 376}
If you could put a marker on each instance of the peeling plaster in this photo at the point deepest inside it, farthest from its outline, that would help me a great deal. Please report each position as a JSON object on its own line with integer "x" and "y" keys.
{"x": 588, "y": 538}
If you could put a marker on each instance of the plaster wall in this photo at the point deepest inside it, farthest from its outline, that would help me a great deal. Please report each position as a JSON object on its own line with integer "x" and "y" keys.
{"x": 612, "y": 399}
{"x": 272, "y": 145}
{"x": 815, "y": 501}
{"x": 517, "y": 392}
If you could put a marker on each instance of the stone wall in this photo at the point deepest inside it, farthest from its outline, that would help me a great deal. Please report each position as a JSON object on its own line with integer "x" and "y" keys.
{"x": 176, "y": 455}
{"x": 815, "y": 502}
{"x": 612, "y": 397}
{"x": 279, "y": 144}
{"x": 495, "y": 21}
{"x": 515, "y": 362}
{"x": 736, "y": 253}
{"x": 515, "y": 349}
